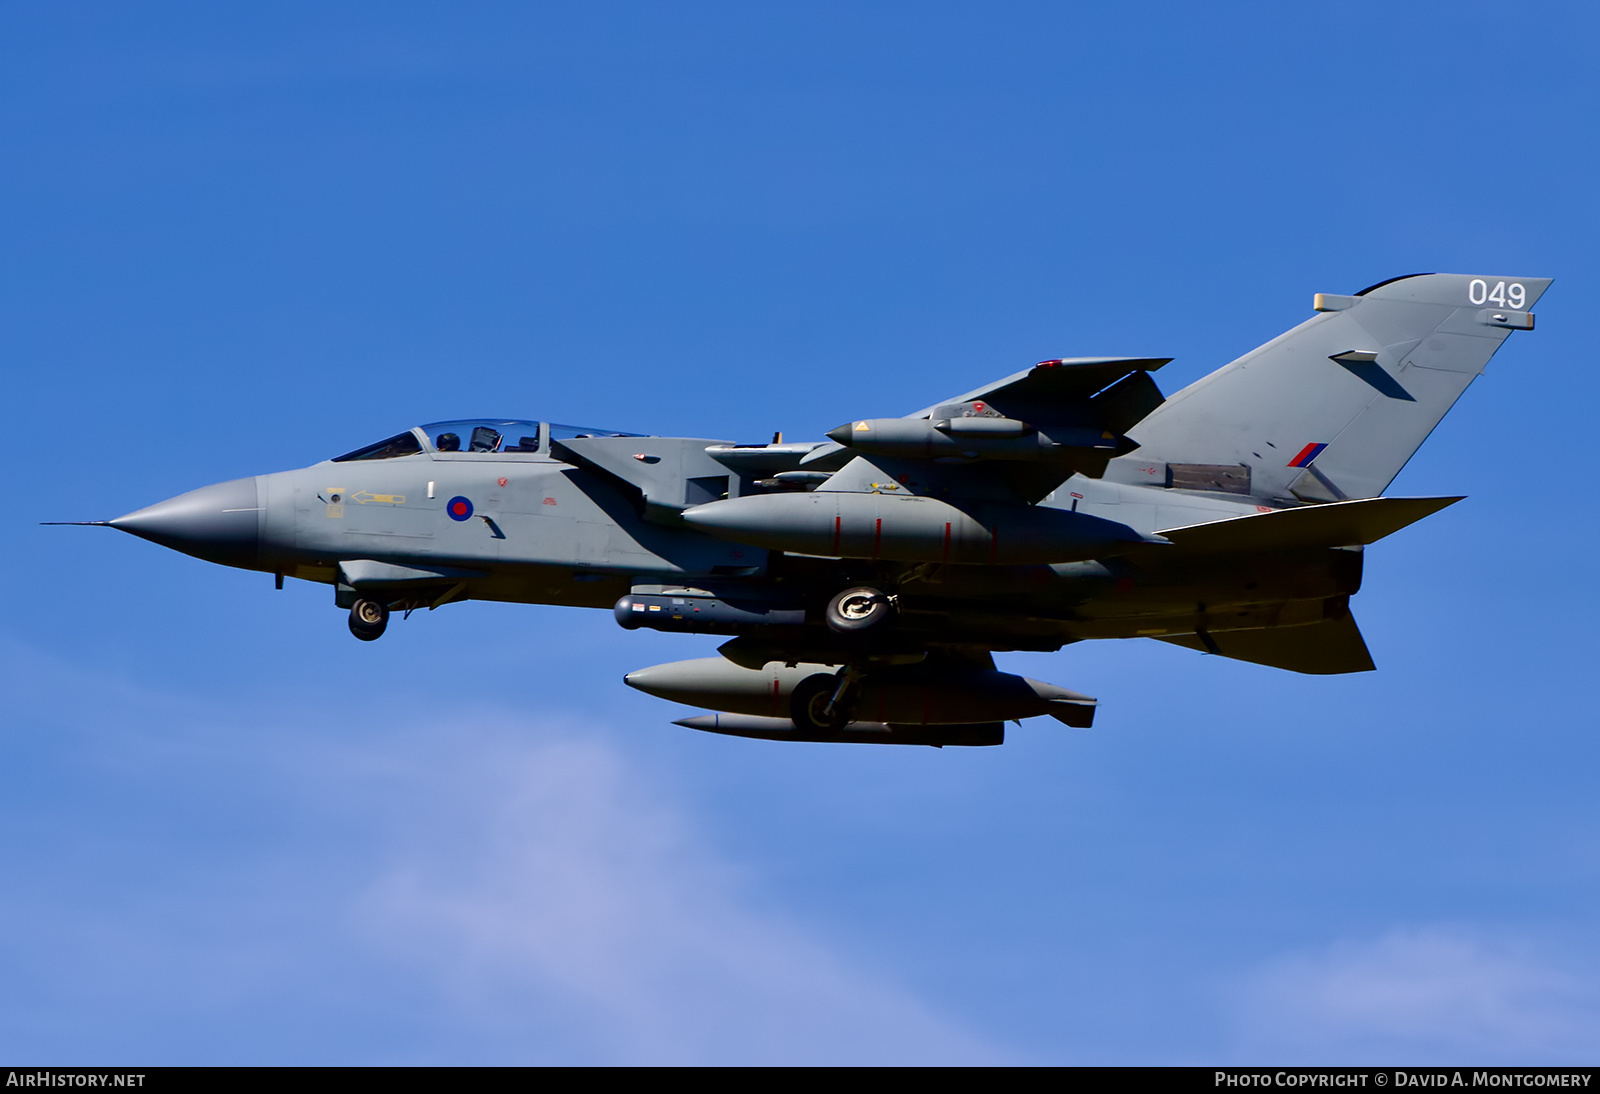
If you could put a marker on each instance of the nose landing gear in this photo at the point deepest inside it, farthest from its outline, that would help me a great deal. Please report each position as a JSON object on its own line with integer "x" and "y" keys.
{"x": 368, "y": 619}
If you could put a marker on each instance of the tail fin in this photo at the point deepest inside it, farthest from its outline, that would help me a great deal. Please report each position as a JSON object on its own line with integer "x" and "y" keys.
{"x": 1334, "y": 408}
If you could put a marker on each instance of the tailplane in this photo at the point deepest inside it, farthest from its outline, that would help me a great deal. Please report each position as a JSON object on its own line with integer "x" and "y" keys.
{"x": 1334, "y": 408}
{"x": 1328, "y": 648}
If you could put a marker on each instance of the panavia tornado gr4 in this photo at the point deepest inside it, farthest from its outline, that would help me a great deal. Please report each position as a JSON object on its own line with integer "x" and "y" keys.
{"x": 865, "y": 581}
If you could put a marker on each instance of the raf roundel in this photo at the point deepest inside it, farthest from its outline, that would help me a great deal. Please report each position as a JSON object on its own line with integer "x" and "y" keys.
{"x": 459, "y": 508}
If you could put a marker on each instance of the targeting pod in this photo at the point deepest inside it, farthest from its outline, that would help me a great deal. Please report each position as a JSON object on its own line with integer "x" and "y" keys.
{"x": 687, "y": 613}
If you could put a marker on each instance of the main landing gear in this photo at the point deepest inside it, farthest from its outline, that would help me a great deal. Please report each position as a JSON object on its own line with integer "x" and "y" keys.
{"x": 368, "y": 619}
{"x": 860, "y": 616}
{"x": 861, "y": 612}
{"x": 825, "y": 703}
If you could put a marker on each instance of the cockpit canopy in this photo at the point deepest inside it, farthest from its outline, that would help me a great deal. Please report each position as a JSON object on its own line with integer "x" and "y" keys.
{"x": 472, "y": 435}
{"x": 476, "y": 436}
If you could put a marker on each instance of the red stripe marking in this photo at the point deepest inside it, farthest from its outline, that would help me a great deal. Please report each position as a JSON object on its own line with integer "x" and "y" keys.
{"x": 946, "y": 557}
{"x": 877, "y": 537}
{"x": 837, "y": 525}
{"x": 1304, "y": 452}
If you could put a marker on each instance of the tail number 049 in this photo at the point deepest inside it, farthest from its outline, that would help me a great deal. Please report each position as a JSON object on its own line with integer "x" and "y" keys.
{"x": 1507, "y": 296}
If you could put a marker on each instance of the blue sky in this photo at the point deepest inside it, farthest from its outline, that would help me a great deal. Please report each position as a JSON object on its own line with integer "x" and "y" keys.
{"x": 244, "y": 239}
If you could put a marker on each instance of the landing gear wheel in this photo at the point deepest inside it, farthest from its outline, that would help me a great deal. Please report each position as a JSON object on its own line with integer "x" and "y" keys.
{"x": 368, "y": 618}
{"x": 858, "y": 611}
{"x": 809, "y": 702}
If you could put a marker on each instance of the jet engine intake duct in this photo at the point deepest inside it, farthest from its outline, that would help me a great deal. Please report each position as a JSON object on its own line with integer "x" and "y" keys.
{"x": 909, "y": 528}
{"x": 691, "y": 614}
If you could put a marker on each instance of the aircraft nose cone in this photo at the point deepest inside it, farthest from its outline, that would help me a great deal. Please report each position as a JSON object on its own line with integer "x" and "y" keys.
{"x": 711, "y": 515}
{"x": 840, "y": 435}
{"x": 651, "y": 681}
{"x": 219, "y": 523}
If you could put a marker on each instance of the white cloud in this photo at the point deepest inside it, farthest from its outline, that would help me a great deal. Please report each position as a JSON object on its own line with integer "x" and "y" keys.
{"x": 1422, "y": 995}
{"x": 554, "y": 872}
{"x": 329, "y": 882}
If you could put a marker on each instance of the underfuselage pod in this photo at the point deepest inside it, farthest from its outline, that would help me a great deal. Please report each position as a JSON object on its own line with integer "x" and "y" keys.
{"x": 921, "y": 694}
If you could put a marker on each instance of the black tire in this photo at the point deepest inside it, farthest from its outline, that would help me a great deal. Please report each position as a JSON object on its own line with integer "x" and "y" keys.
{"x": 859, "y": 611}
{"x": 368, "y": 619}
{"x": 808, "y": 699}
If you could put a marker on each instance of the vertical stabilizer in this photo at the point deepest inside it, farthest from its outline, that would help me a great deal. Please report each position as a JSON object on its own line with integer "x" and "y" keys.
{"x": 1334, "y": 408}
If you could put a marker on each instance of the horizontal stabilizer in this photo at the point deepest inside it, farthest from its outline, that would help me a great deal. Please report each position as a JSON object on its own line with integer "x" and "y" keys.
{"x": 1336, "y": 524}
{"x": 1077, "y": 714}
{"x": 1322, "y": 649}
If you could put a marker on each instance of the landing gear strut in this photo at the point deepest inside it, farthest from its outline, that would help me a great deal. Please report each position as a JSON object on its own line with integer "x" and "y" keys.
{"x": 860, "y": 611}
{"x": 368, "y": 618}
{"x": 826, "y": 703}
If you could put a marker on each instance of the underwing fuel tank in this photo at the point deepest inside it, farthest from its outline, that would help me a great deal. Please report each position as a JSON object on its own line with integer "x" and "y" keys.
{"x": 907, "y": 528}
{"x": 914, "y": 695}
{"x": 869, "y": 733}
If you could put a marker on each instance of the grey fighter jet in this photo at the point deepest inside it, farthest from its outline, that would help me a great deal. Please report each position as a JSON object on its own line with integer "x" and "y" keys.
{"x": 865, "y": 581}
